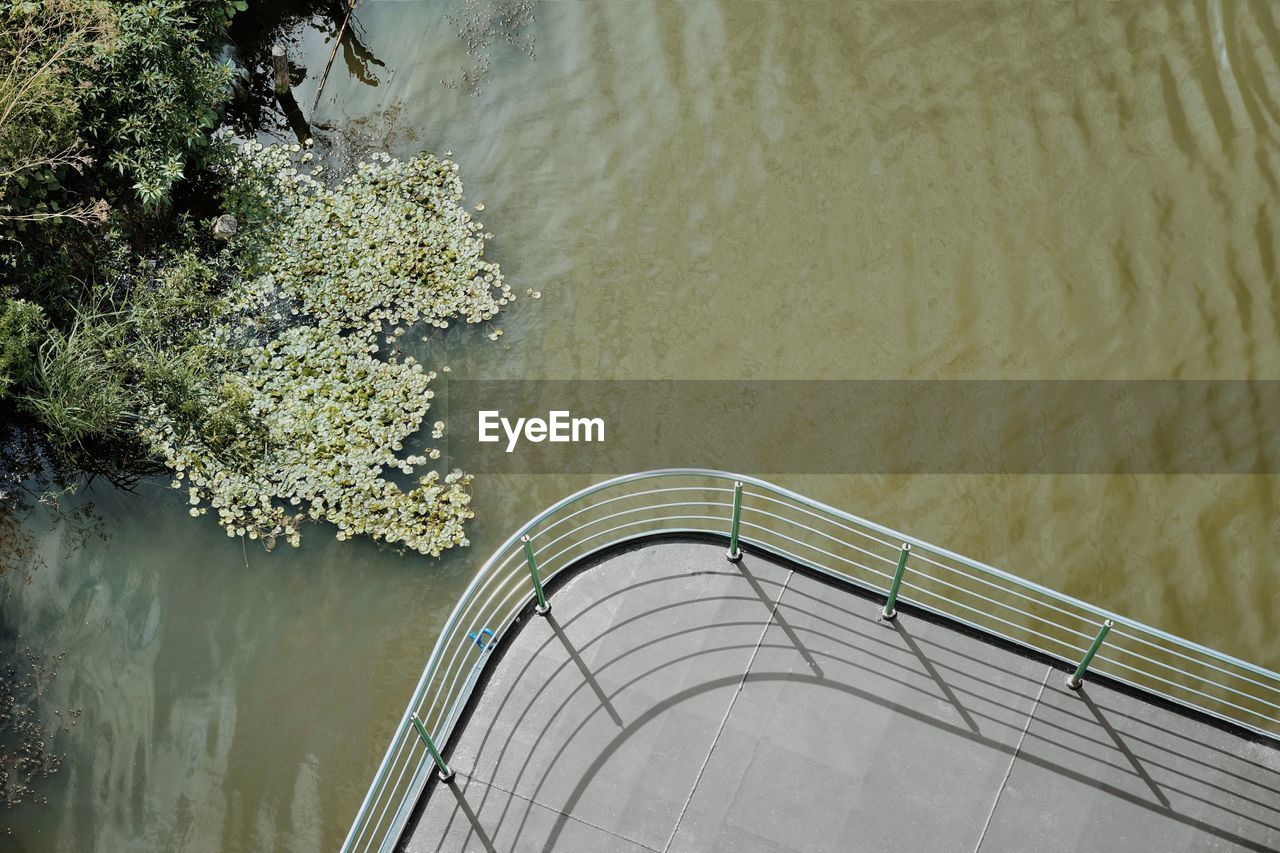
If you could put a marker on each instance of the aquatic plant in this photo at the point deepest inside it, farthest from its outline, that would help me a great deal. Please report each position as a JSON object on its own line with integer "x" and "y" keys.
{"x": 26, "y": 738}
{"x": 324, "y": 271}
{"x": 333, "y": 419}
{"x": 483, "y": 23}
{"x": 389, "y": 244}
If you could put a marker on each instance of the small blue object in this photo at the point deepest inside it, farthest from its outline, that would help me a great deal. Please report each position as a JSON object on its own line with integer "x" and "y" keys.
{"x": 480, "y": 639}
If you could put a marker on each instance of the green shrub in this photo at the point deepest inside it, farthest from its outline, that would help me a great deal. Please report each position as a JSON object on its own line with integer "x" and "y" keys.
{"x": 104, "y": 105}
{"x": 21, "y": 327}
{"x": 264, "y": 372}
{"x": 104, "y": 108}
{"x": 44, "y": 49}
{"x": 152, "y": 101}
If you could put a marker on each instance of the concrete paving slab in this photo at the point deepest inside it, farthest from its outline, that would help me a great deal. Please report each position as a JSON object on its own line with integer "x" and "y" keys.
{"x": 476, "y": 817}
{"x": 1102, "y": 770}
{"x": 676, "y": 702}
{"x": 894, "y": 734}
{"x": 628, "y": 676}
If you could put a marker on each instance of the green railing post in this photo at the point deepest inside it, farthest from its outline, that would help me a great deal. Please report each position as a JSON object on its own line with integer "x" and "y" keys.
{"x": 446, "y": 772}
{"x": 735, "y": 553}
{"x": 889, "y": 613}
{"x": 543, "y": 607}
{"x": 1077, "y": 677}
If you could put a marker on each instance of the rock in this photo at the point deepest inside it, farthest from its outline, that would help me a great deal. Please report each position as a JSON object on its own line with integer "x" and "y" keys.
{"x": 225, "y": 227}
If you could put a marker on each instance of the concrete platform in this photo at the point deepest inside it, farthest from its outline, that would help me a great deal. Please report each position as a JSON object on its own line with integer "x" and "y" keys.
{"x": 673, "y": 701}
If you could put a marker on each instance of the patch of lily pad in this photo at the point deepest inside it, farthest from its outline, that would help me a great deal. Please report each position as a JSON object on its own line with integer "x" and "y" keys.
{"x": 328, "y": 274}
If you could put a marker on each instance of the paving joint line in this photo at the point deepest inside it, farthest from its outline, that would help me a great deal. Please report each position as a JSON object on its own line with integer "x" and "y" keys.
{"x": 465, "y": 775}
{"x": 729, "y": 711}
{"x": 1013, "y": 759}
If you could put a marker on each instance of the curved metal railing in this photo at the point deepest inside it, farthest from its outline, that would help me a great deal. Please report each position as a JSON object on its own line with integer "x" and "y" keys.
{"x": 827, "y": 540}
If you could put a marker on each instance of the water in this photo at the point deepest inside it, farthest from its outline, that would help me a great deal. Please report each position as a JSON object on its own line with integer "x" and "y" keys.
{"x": 721, "y": 190}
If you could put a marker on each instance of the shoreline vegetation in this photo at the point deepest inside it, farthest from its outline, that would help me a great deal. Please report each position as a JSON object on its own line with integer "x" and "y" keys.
{"x": 173, "y": 300}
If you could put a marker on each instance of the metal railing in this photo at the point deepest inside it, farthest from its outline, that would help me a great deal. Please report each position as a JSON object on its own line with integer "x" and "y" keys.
{"x": 834, "y": 543}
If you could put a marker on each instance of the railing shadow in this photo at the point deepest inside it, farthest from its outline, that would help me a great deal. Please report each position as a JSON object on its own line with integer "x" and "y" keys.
{"x": 778, "y": 617}
{"x": 587, "y": 677}
{"x": 901, "y": 627}
{"x": 477, "y": 829}
{"x": 1122, "y": 746}
{"x": 873, "y": 639}
{"x": 1264, "y": 817}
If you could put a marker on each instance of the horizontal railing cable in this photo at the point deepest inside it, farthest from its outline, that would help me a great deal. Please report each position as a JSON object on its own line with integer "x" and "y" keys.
{"x": 1198, "y": 661}
{"x": 1001, "y": 620}
{"x": 1215, "y": 699}
{"x": 827, "y": 518}
{"x": 924, "y": 557}
{"x": 887, "y": 560}
{"x": 1172, "y": 668}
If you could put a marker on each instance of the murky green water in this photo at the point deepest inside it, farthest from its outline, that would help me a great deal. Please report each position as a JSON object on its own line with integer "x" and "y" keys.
{"x": 724, "y": 190}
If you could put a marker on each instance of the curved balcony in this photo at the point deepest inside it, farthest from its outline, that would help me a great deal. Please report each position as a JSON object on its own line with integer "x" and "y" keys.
{"x": 789, "y": 531}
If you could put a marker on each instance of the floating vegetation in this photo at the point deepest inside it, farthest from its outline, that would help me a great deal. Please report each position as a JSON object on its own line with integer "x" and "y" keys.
{"x": 327, "y": 272}
{"x": 25, "y": 738}
{"x": 480, "y": 24}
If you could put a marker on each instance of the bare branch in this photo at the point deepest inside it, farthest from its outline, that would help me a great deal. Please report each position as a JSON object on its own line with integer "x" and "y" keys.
{"x": 94, "y": 212}
{"x": 73, "y": 156}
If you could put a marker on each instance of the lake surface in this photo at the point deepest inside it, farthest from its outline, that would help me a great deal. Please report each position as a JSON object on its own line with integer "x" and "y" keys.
{"x": 719, "y": 191}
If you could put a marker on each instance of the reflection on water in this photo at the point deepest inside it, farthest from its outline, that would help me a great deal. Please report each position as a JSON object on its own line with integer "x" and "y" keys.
{"x": 263, "y": 26}
{"x": 31, "y": 496}
{"x": 723, "y": 191}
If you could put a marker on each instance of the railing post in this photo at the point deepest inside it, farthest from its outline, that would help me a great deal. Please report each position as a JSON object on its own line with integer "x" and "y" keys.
{"x": 1077, "y": 678}
{"x": 889, "y": 613}
{"x": 543, "y": 607}
{"x": 446, "y": 772}
{"x": 735, "y": 553}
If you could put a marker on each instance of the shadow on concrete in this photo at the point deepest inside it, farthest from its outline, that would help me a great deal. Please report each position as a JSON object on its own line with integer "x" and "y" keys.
{"x": 970, "y": 733}
{"x": 476, "y": 828}
{"x": 607, "y": 752}
{"x": 901, "y": 627}
{"x": 1124, "y": 749}
{"x": 587, "y": 677}
{"x": 775, "y": 612}
{"x": 1090, "y": 736}
{"x": 1063, "y": 733}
